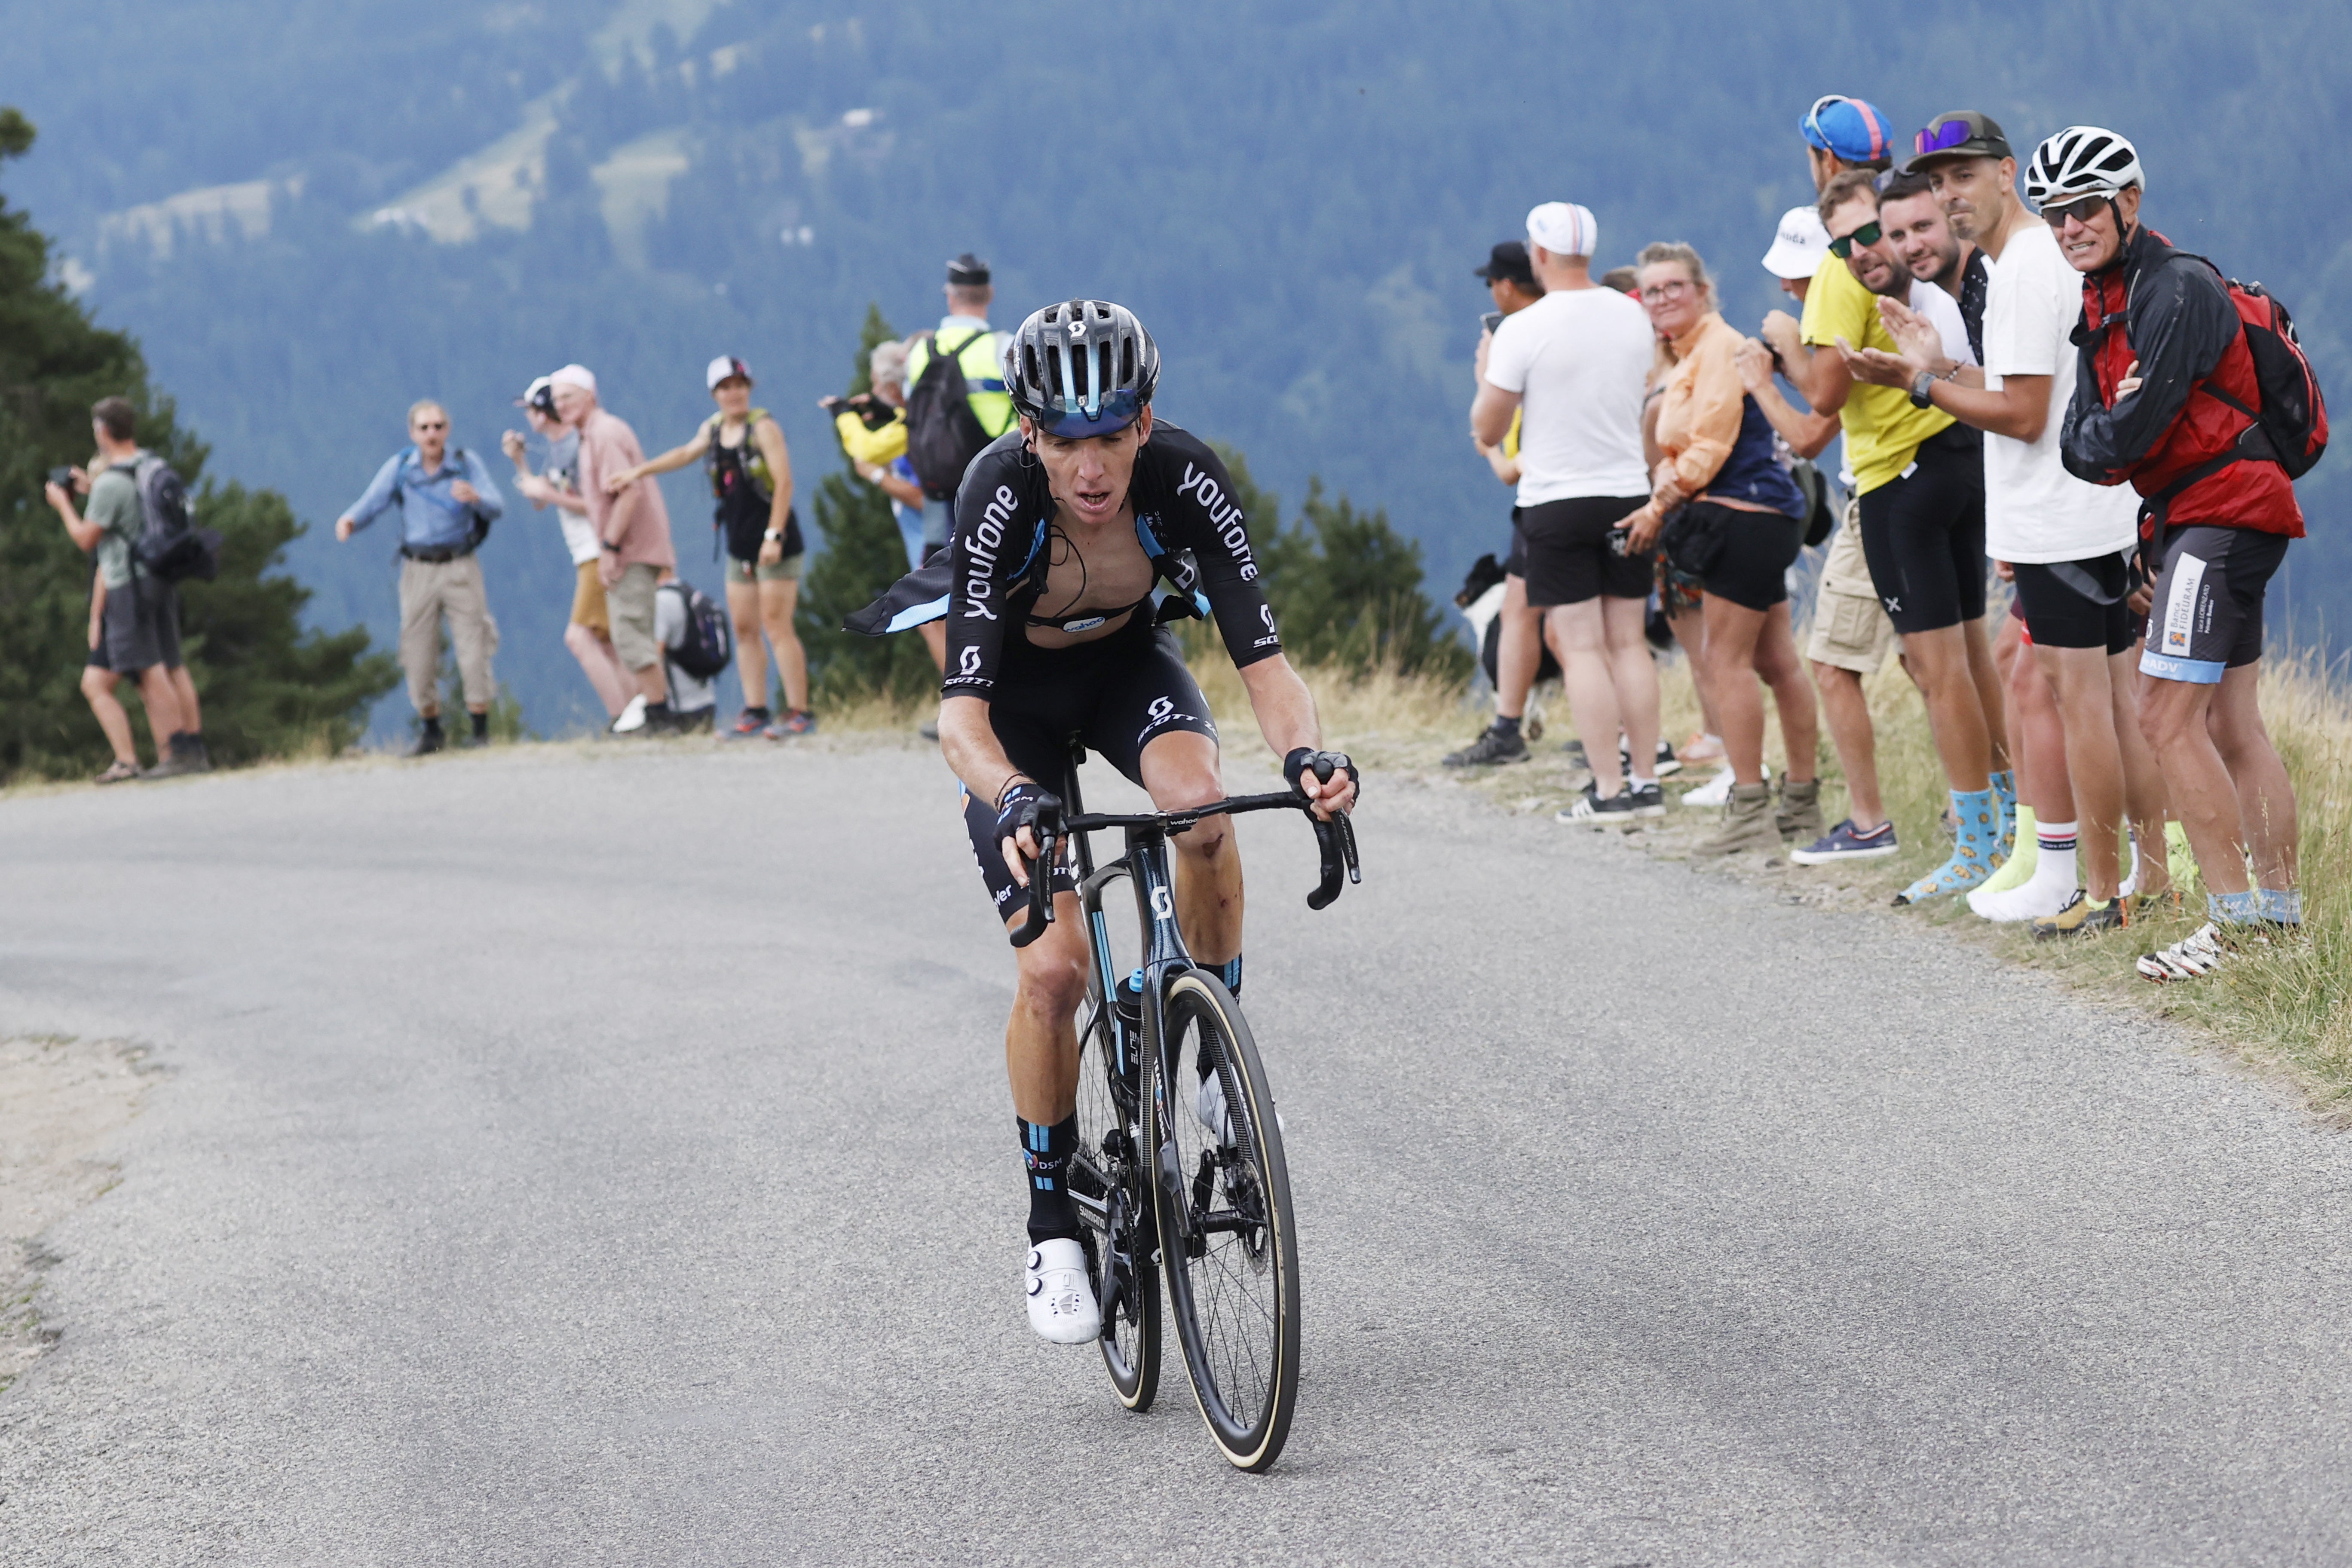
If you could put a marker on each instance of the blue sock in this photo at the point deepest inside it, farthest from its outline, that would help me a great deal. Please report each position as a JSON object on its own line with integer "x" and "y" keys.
{"x": 1974, "y": 849}
{"x": 1230, "y": 973}
{"x": 2284, "y": 905}
{"x": 2004, "y": 789}
{"x": 2235, "y": 909}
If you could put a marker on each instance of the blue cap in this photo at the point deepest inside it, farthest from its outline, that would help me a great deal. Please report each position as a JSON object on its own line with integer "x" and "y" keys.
{"x": 1847, "y": 129}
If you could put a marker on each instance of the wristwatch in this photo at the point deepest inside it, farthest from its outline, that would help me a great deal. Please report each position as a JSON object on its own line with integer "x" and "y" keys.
{"x": 771, "y": 534}
{"x": 1919, "y": 385}
{"x": 608, "y": 545}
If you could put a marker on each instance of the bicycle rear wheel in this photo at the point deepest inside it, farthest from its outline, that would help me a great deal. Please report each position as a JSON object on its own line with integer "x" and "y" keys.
{"x": 1228, "y": 1242}
{"x": 1115, "y": 1219}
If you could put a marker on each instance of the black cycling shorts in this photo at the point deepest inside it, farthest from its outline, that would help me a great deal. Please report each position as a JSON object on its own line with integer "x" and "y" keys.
{"x": 2059, "y": 613}
{"x": 1568, "y": 555}
{"x": 1751, "y": 570}
{"x": 1116, "y": 696}
{"x": 1924, "y": 535}
{"x": 1514, "y": 564}
{"x": 2208, "y": 613}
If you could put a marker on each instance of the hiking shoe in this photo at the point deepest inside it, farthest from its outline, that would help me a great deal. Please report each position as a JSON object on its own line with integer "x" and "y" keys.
{"x": 120, "y": 773}
{"x": 1494, "y": 747}
{"x": 1846, "y": 842}
{"x": 1592, "y": 811}
{"x": 1800, "y": 813}
{"x": 427, "y": 741}
{"x": 799, "y": 721}
{"x": 193, "y": 756}
{"x": 2081, "y": 917}
{"x": 750, "y": 724}
{"x": 2196, "y": 955}
{"x": 1665, "y": 765}
{"x": 1649, "y": 800}
{"x": 1061, "y": 1301}
{"x": 1747, "y": 825}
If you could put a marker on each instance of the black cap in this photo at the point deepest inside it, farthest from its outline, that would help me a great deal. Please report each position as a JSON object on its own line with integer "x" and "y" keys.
{"x": 1509, "y": 259}
{"x": 1964, "y": 134}
{"x": 967, "y": 271}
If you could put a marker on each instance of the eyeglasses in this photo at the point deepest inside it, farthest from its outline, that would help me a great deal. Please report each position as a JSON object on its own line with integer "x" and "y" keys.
{"x": 1673, "y": 290}
{"x": 432, "y": 424}
{"x": 1868, "y": 234}
{"x": 2082, "y": 210}
{"x": 1939, "y": 138}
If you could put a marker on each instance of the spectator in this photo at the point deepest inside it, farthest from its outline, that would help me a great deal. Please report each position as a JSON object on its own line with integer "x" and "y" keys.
{"x": 1845, "y": 133}
{"x": 633, "y": 533}
{"x": 2158, "y": 327}
{"x": 589, "y": 633}
{"x": 1934, "y": 251}
{"x": 1920, "y": 479}
{"x": 693, "y": 698}
{"x": 873, "y": 431}
{"x": 1576, "y": 361}
{"x": 1737, "y": 523}
{"x": 979, "y": 351}
{"x": 137, "y": 614}
{"x": 751, "y": 472}
{"x": 2066, "y": 539}
{"x": 1519, "y": 643}
{"x": 447, "y": 502}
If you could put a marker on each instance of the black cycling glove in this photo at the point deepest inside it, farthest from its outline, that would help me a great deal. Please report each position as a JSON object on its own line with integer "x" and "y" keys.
{"x": 1295, "y": 765}
{"x": 1021, "y": 807}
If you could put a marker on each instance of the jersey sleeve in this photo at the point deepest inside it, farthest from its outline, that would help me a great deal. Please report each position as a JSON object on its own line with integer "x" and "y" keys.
{"x": 986, "y": 554}
{"x": 1203, "y": 516}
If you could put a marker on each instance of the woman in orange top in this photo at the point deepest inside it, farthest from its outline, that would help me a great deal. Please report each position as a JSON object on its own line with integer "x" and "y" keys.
{"x": 1736, "y": 523}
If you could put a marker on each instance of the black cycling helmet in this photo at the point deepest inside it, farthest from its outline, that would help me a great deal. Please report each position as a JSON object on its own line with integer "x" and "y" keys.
{"x": 1083, "y": 368}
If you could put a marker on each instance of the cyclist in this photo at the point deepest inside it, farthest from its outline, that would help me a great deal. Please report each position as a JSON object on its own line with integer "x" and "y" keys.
{"x": 1063, "y": 527}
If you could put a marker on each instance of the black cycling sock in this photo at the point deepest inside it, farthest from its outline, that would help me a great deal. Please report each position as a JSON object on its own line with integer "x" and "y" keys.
{"x": 1046, "y": 1151}
{"x": 760, "y": 712}
{"x": 1505, "y": 725}
{"x": 481, "y": 726}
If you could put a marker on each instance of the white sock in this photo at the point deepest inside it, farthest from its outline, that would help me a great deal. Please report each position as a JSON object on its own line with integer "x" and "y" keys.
{"x": 1638, "y": 782}
{"x": 2131, "y": 883}
{"x": 2054, "y": 862}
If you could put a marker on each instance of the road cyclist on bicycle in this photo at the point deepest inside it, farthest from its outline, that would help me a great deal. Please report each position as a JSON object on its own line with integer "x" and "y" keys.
{"x": 1065, "y": 526}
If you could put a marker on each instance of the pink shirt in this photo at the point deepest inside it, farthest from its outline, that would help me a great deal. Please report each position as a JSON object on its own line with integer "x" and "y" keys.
{"x": 607, "y": 446}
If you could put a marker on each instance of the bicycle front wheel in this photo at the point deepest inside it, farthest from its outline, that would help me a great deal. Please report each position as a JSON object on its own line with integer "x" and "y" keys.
{"x": 1115, "y": 1218}
{"x": 1228, "y": 1242}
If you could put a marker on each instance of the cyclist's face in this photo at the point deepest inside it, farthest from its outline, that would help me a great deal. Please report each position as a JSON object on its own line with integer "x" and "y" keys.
{"x": 1091, "y": 475}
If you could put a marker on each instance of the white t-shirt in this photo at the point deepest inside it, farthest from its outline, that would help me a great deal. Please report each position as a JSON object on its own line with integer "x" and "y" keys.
{"x": 1577, "y": 357}
{"x": 2035, "y": 509}
{"x": 562, "y": 470}
{"x": 1943, "y": 313}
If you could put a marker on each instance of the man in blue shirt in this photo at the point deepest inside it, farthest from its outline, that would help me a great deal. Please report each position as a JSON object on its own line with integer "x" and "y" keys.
{"x": 447, "y": 502}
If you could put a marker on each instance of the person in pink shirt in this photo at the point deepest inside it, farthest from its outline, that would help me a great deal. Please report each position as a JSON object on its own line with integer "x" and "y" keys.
{"x": 632, "y": 534}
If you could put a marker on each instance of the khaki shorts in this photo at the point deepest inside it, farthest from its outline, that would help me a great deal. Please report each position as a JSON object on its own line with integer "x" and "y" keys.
{"x": 787, "y": 570}
{"x": 1851, "y": 631}
{"x": 630, "y": 604}
{"x": 588, "y": 601}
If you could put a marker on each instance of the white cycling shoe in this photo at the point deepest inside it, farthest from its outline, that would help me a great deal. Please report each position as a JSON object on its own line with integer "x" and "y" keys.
{"x": 1061, "y": 1299}
{"x": 1209, "y": 1105}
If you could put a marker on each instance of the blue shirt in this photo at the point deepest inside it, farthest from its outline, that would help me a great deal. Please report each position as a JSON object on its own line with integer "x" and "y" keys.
{"x": 430, "y": 517}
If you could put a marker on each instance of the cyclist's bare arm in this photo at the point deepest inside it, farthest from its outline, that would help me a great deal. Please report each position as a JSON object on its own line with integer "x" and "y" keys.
{"x": 973, "y": 752}
{"x": 1285, "y": 717}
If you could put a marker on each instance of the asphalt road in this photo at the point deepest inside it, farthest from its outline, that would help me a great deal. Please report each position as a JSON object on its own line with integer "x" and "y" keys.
{"x": 586, "y": 1157}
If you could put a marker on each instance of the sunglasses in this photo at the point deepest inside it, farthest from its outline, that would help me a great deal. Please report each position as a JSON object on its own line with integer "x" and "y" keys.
{"x": 2082, "y": 210}
{"x": 433, "y": 424}
{"x": 1868, "y": 234}
{"x": 1940, "y": 138}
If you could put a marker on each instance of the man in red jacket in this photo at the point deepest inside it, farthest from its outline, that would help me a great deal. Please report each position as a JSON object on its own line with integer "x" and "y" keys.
{"x": 2160, "y": 402}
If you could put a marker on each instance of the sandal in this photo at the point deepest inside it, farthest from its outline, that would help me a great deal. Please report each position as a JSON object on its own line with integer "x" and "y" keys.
{"x": 120, "y": 773}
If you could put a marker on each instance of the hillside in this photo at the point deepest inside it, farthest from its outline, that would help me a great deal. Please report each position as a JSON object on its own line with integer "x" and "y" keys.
{"x": 311, "y": 218}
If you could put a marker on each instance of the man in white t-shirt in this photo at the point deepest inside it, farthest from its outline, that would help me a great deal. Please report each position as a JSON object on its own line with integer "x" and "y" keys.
{"x": 589, "y": 633}
{"x": 2067, "y": 540}
{"x": 1575, "y": 362}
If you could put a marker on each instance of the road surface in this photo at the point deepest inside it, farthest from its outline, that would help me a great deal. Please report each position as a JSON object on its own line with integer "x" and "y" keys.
{"x": 596, "y": 1155}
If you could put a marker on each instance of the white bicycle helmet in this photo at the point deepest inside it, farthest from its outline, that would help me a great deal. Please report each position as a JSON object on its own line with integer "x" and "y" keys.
{"x": 1083, "y": 368}
{"x": 2082, "y": 161}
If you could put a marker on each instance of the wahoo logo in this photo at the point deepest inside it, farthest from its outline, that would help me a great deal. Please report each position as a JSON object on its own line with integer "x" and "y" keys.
{"x": 983, "y": 545}
{"x": 1224, "y": 517}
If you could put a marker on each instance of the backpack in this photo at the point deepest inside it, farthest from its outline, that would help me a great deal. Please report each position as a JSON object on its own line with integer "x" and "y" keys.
{"x": 943, "y": 435}
{"x": 170, "y": 546}
{"x": 2293, "y": 418}
{"x": 707, "y": 645}
{"x": 454, "y": 457}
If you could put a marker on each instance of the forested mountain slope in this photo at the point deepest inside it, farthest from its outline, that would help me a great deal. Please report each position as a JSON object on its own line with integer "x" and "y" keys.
{"x": 312, "y": 215}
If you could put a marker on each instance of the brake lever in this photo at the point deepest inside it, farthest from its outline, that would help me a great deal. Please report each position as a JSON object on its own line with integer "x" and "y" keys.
{"x": 1040, "y": 890}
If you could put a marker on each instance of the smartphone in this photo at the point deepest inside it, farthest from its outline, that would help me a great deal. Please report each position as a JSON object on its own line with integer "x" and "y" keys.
{"x": 1491, "y": 320}
{"x": 62, "y": 477}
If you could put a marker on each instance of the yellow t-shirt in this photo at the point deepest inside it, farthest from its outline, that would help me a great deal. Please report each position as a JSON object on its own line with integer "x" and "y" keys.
{"x": 1882, "y": 430}
{"x": 1511, "y": 436}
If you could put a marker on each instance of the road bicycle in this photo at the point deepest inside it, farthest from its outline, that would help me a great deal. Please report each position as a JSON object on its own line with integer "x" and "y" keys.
{"x": 1159, "y": 1194}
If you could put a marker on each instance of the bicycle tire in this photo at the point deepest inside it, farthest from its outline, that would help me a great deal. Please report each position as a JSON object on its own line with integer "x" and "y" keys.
{"x": 1119, "y": 1239}
{"x": 1228, "y": 1240}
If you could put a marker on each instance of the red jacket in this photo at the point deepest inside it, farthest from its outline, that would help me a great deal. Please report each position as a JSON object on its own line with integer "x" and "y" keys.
{"x": 2171, "y": 313}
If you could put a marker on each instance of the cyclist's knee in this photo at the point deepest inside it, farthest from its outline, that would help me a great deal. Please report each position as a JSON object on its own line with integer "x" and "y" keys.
{"x": 1053, "y": 972}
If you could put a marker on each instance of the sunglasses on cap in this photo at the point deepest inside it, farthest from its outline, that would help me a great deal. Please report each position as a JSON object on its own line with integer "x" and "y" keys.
{"x": 1942, "y": 137}
{"x": 2082, "y": 209}
{"x": 1868, "y": 234}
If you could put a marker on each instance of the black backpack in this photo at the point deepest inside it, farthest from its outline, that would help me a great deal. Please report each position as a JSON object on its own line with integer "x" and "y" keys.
{"x": 170, "y": 546}
{"x": 708, "y": 645}
{"x": 943, "y": 435}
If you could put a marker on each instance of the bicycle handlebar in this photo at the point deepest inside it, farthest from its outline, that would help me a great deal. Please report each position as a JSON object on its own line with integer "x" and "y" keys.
{"x": 1335, "y": 839}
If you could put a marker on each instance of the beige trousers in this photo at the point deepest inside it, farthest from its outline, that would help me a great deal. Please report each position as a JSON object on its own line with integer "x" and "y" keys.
{"x": 428, "y": 591}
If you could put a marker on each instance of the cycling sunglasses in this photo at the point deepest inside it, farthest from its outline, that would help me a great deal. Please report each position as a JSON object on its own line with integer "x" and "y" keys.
{"x": 2082, "y": 209}
{"x": 1868, "y": 234}
{"x": 1118, "y": 411}
{"x": 1939, "y": 138}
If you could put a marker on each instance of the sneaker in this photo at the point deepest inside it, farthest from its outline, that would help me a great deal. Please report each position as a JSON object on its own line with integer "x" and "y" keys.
{"x": 1712, "y": 794}
{"x": 1573, "y": 750}
{"x": 2034, "y": 902}
{"x": 1665, "y": 765}
{"x": 799, "y": 721}
{"x": 633, "y": 717}
{"x": 749, "y": 724}
{"x": 1491, "y": 748}
{"x": 2149, "y": 906}
{"x": 1594, "y": 811}
{"x": 1061, "y": 1300}
{"x": 1846, "y": 842}
{"x": 2079, "y": 917}
{"x": 1703, "y": 747}
{"x": 1649, "y": 800}
{"x": 2193, "y": 957}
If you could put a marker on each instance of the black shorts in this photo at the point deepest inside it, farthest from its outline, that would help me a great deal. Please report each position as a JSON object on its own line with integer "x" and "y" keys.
{"x": 1567, "y": 550}
{"x": 139, "y": 625}
{"x": 1924, "y": 535}
{"x": 1752, "y": 568}
{"x": 2208, "y": 613}
{"x": 2060, "y": 613}
{"x": 1116, "y": 696}
{"x": 1514, "y": 564}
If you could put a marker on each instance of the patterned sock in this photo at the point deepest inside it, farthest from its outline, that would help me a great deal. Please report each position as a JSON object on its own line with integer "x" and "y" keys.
{"x": 1046, "y": 1152}
{"x": 2004, "y": 788}
{"x": 2235, "y": 909}
{"x": 1977, "y": 813}
{"x": 2284, "y": 905}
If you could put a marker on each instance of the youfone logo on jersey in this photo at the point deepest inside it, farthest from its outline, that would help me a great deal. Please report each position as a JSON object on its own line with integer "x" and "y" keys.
{"x": 1225, "y": 516}
{"x": 984, "y": 545}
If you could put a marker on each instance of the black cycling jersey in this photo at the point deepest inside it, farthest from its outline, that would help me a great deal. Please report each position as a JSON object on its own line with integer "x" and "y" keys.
{"x": 1185, "y": 517}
